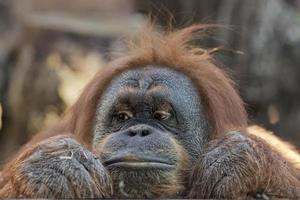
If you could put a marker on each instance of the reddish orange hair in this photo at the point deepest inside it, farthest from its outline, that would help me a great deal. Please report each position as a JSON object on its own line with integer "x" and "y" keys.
{"x": 171, "y": 49}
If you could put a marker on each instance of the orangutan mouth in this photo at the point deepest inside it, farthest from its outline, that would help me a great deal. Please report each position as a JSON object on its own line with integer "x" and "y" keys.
{"x": 130, "y": 161}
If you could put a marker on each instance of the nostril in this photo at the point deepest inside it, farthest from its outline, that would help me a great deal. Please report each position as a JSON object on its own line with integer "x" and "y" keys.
{"x": 145, "y": 133}
{"x": 131, "y": 133}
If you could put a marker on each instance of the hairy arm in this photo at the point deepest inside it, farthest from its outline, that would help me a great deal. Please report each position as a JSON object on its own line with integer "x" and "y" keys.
{"x": 240, "y": 165}
{"x": 58, "y": 167}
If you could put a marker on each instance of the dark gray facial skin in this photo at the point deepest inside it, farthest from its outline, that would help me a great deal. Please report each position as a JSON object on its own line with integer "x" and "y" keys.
{"x": 143, "y": 116}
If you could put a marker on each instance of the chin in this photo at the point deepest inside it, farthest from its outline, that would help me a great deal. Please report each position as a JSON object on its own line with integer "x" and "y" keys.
{"x": 132, "y": 182}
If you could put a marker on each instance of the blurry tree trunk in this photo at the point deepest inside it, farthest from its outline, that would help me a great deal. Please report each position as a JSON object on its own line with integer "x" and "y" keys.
{"x": 268, "y": 72}
{"x": 31, "y": 89}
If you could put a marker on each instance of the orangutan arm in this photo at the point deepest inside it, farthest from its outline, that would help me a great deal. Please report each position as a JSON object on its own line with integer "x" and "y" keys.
{"x": 240, "y": 165}
{"x": 58, "y": 167}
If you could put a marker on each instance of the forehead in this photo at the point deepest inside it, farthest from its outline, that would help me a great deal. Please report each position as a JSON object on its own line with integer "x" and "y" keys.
{"x": 149, "y": 77}
{"x": 172, "y": 86}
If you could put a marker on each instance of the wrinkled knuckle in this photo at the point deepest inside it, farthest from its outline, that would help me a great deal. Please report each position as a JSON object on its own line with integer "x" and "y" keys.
{"x": 213, "y": 163}
{"x": 34, "y": 157}
{"x": 241, "y": 141}
{"x": 217, "y": 159}
{"x": 70, "y": 141}
{"x": 58, "y": 142}
{"x": 238, "y": 136}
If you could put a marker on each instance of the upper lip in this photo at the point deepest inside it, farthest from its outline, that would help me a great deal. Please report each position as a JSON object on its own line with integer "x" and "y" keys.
{"x": 135, "y": 160}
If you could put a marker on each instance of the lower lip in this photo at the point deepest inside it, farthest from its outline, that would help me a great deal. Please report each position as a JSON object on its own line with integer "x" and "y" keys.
{"x": 153, "y": 165}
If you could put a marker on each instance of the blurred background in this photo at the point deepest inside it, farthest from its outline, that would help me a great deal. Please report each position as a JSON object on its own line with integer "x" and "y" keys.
{"x": 49, "y": 49}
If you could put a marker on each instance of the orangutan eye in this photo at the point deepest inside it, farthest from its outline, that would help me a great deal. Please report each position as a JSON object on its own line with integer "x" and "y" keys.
{"x": 161, "y": 115}
{"x": 124, "y": 115}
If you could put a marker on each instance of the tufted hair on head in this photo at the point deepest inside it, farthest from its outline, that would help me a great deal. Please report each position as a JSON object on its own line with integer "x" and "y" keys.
{"x": 173, "y": 49}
